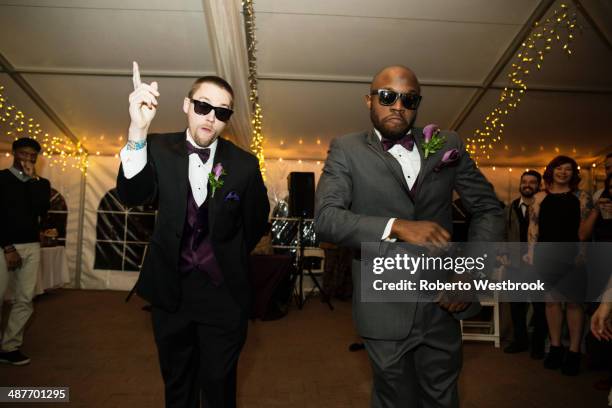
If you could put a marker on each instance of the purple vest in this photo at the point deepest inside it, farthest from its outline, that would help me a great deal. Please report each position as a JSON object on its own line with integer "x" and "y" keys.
{"x": 196, "y": 246}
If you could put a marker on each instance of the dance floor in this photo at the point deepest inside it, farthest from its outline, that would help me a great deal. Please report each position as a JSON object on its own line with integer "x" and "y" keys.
{"x": 103, "y": 349}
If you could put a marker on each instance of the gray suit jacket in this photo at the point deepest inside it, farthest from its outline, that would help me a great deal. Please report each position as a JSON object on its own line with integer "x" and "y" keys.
{"x": 363, "y": 186}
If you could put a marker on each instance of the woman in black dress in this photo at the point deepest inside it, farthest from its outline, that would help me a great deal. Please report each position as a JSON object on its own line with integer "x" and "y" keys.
{"x": 555, "y": 217}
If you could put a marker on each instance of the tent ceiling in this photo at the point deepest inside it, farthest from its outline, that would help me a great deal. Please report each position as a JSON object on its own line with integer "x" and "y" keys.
{"x": 315, "y": 59}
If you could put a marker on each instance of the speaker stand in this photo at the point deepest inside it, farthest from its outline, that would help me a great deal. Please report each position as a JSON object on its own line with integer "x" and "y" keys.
{"x": 301, "y": 299}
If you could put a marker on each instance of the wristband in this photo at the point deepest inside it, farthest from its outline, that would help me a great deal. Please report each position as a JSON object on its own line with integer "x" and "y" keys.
{"x": 136, "y": 145}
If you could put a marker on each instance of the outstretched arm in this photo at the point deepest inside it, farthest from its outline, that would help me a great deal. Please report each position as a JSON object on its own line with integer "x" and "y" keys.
{"x": 136, "y": 182}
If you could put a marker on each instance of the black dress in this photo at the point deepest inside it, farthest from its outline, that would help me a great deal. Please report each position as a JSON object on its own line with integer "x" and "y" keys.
{"x": 557, "y": 247}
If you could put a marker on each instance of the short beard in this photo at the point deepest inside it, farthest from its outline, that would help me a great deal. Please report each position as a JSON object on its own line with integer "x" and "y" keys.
{"x": 391, "y": 134}
{"x": 531, "y": 194}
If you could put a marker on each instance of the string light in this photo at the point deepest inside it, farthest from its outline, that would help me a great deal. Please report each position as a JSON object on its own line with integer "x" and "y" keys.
{"x": 256, "y": 121}
{"x": 530, "y": 56}
{"x": 60, "y": 151}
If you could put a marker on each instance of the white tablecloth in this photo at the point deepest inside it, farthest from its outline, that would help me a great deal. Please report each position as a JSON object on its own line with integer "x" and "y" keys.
{"x": 53, "y": 271}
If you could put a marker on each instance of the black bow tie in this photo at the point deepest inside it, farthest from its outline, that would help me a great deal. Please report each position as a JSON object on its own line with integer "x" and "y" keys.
{"x": 407, "y": 141}
{"x": 203, "y": 153}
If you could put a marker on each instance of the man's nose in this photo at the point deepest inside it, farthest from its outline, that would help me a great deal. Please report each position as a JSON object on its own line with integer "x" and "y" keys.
{"x": 397, "y": 105}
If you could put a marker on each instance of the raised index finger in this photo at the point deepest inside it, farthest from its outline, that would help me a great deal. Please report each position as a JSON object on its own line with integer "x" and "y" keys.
{"x": 135, "y": 75}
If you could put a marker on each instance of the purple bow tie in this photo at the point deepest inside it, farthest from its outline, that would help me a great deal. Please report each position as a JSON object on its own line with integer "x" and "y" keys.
{"x": 203, "y": 153}
{"x": 407, "y": 141}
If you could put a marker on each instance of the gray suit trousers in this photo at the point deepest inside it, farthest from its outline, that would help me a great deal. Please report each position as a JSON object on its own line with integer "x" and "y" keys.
{"x": 421, "y": 370}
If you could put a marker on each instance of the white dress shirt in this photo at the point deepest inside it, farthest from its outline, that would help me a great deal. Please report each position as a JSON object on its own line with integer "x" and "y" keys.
{"x": 523, "y": 206}
{"x": 410, "y": 162}
{"x": 134, "y": 161}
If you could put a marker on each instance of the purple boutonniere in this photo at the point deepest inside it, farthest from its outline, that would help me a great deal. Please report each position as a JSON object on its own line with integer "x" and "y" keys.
{"x": 433, "y": 140}
{"x": 449, "y": 157}
{"x": 214, "y": 178}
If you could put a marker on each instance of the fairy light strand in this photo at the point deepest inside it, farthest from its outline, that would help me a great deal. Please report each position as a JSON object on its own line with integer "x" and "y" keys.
{"x": 257, "y": 115}
{"x": 60, "y": 151}
{"x": 558, "y": 29}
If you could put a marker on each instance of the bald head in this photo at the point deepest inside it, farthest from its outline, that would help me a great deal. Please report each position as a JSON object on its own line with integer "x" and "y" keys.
{"x": 395, "y": 76}
{"x": 393, "y": 101}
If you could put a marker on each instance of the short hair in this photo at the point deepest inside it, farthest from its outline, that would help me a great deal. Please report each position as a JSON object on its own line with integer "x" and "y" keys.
{"x": 211, "y": 79}
{"x": 533, "y": 173}
{"x": 558, "y": 161}
{"x": 26, "y": 142}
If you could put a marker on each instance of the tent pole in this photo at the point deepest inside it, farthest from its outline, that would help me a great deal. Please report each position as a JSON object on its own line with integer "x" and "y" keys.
{"x": 79, "y": 255}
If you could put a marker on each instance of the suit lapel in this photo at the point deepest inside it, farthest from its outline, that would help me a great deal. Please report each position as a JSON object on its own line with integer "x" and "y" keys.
{"x": 213, "y": 202}
{"x": 426, "y": 164}
{"x": 392, "y": 164}
{"x": 180, "y": 165}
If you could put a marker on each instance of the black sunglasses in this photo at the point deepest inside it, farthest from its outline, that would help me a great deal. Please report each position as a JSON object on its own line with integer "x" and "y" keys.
{"x": 203, "y": 108}
{"x": 387, "y": 97}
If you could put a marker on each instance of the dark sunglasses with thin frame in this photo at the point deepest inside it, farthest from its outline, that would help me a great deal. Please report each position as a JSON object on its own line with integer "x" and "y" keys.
{"x": 388, "y": 97}
{"x": 203, "y": 108}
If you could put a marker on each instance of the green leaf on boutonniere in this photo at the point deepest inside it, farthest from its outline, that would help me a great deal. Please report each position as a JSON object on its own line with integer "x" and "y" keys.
{"x": 214, "y": 178}
{"x": 433, "y": 141}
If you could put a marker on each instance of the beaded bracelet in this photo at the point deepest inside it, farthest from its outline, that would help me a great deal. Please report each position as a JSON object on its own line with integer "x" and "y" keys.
{"x": 136, "y": 145}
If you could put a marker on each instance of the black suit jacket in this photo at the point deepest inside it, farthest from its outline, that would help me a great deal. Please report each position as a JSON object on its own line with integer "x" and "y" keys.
{"x": 236, "y": 225}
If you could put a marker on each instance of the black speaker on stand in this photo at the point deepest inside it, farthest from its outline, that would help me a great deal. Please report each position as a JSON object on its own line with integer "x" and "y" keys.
{"x": 301, "y": 194}
{"x": 301, "y": 205}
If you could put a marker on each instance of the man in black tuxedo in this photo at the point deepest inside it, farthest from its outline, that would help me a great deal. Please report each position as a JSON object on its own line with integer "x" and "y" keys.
{"x": 213, "y": 209}
{"x": 517, "y": 223}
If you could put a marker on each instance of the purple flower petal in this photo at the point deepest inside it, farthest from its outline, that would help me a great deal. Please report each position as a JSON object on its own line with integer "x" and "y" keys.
{"x": 218, "y": 170}
{"x": 429, "y": 130}
{"x": 450, "y": 156}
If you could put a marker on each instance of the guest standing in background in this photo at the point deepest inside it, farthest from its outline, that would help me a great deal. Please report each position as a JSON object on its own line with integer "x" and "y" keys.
{"x": 517, "y": 223}
{"x": 24, "y": 201}
{"x": 556, "y": 216}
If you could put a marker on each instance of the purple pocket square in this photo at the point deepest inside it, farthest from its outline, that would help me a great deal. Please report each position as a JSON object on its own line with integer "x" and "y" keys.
{"x": 449, "y": 158}
{"x": 232, "y": 196}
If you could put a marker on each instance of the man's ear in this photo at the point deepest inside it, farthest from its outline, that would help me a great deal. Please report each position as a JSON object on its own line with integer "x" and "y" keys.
{"x": 186, "y": 103}
{"x": 368, "y": 101}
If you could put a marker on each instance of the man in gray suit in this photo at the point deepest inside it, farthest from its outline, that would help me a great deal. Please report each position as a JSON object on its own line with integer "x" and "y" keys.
{"x": 378, "y": 185}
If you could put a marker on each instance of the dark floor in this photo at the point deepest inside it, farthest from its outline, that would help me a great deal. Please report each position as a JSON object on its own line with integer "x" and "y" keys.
{"x": 102, "y": 348}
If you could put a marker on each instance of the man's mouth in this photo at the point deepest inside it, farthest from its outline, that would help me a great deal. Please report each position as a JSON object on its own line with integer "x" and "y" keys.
{"x": 395, "y": 119}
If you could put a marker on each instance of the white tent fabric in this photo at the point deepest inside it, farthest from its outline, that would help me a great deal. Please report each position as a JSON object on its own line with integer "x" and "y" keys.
{"x": 227, "y": 42}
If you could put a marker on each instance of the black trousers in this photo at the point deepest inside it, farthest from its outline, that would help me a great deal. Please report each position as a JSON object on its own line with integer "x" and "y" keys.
{"x": 518, "y": 311}
{"x": 199, "y": 345}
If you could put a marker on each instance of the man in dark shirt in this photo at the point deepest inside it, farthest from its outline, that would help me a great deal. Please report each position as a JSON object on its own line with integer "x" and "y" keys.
{"x": 24, "y": 200}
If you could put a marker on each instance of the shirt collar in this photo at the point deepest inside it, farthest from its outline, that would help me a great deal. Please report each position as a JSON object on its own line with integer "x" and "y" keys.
{"x": 19, "y": 174}
{"x": 380, "y": 136}
{"x": 212, "y": 147}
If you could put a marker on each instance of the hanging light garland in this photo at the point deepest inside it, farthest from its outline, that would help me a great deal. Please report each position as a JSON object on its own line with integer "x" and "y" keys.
{"x": 60, "y": 151}
{"x": 560, "y": 27}
{"x": 256, "y": 121}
